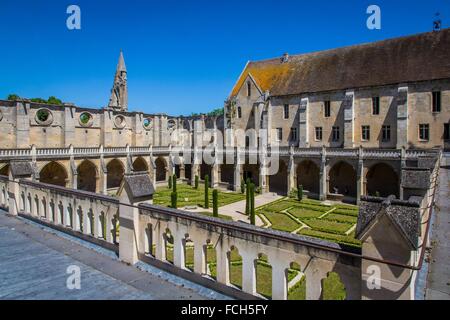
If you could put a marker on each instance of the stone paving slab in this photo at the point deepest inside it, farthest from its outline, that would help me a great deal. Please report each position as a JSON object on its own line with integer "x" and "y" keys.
{"x": 33, "y": 265}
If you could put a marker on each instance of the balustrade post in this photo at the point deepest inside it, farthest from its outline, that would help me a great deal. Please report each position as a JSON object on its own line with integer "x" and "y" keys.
{"x": 222, "y": 264}
{"x": 134, "y": 190}
{"x": 279, "y": 280}
{"x": 248, "y": 273}
{"x": 179, "y": 244}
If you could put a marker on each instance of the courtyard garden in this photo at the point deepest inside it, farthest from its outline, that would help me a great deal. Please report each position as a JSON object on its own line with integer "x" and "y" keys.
{"x": 334, "y": 222}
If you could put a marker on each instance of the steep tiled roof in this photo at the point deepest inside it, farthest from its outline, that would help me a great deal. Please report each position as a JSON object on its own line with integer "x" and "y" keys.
{"x": 419, "y": 57}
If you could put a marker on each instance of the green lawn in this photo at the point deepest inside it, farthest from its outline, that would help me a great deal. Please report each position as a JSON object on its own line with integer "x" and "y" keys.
{"x": 329, "y": 222}
{"x": 280, "y": 221}
{"x": 188, "y": 196}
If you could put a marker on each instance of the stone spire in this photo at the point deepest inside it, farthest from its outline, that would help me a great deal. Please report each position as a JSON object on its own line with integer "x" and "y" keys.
{"x": 119, "y": 91}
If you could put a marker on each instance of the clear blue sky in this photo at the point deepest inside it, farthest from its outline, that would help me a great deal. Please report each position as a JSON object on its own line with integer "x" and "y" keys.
{"x": 181, "y": 56}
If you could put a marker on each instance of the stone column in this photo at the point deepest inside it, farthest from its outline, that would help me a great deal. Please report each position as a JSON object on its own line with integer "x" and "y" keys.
{"x": 248, "y": 273}
{"x": 179, "y": 245}
{"x": 402, "y": 117}
{"x": 199, "y": 257}
{"x": 291, "y": 183}
{"x": 313, "y": 282}
{"x": 360, "y": 179}
{"x": 323, "y": 175}
{"x": 279, "y": 280}
{"x": 303, "y": 125}
{"x": 14, "y": 195}
{"x": 222, "y": 264}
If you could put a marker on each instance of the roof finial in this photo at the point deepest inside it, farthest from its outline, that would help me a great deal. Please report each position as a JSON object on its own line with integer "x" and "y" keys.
{"x": 437, "y": 22}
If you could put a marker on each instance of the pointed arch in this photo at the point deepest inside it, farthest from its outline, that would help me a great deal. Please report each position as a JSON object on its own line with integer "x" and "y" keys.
{"x": 87, "y": 176}
{"x": 116, "y": 171}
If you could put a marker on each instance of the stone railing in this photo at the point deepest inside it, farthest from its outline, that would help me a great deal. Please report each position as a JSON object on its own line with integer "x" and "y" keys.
{"x": 316, "y": 257}
{"x": 88, "y": 215}
{"x": 390, "y": 154}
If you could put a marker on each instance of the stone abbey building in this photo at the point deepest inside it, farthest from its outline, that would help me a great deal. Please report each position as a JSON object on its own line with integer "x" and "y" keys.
{"x": 363, "y": 124}
{"x": 345, "y": 121}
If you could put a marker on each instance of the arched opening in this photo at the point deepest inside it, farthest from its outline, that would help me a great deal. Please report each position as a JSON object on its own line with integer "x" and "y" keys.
{"x": 235, "y": 267}
{"x": 53, "y": 173}
{"x": 343, "y": 179}
{"x": 178, "y": 170}
{"x": 382, "y": 181}
{"x": 87, "y": 176}
{"x": 333, "y": 288}
{"x": 140, "y": 165}
{"x": 189, "y": 249}
{"x": 227, "y": 173}
{"x": 251, "y": 171}
{"x": 205, "y": 169}
{"x": 296, "y": 282}
{"x": 278, "y": 181}
{"x": 188, "y": 172}
{"x": 263, "y": 276}
{"x": 161, "y": 169}
{"x": 60, "y": 213}
{"x": 115, "y": 174}
{"x": 69, "y": 216}
{"x": 4, "y": 171}
{"x": 168, "y": 245}
{"x": 79, "y": 220}
{"x": 102, "y": 225}
{"x": 308, "y": 175}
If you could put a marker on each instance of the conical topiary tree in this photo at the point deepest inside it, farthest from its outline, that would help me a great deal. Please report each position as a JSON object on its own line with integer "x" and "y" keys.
{"x": 174, "y": 182}
{"x": 215, "y": 203}
{"x": 173, "y": 200}
{"x": 247, "y": 197}
{"x": 300, "y": 192}
{"x": 252, "y": 204}
{"x": 242, "y": 186}
{"x": 206, "y": 192}
{"x": 196, "y": 182}
{"x": 170, "y": 182}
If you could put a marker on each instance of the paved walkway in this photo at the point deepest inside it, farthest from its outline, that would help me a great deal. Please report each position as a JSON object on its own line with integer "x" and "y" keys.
{"x": 236, "y": 210}
{"x": 34, "y": 262}
{"x": 438, "y": 281}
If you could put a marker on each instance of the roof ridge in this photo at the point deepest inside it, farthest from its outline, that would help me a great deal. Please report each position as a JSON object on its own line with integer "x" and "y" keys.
{"x": 352, "y": 46}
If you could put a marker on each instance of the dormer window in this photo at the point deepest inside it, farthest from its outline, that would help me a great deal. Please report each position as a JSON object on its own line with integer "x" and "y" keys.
{"x": 249, "y": 89}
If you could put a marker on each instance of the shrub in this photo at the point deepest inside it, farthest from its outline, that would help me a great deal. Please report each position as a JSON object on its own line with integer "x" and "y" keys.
{"x": 196, "y": 182}
{"x": 174, "y": 182}
{"x": 252, "y": 204}
{"x": 242, "y": 186}
{"x": 170, "y": 182}
{"x": 300, "y": 193}
{"x": 173, "y": 199}
{"x": 215, "y": 195}
{"x": 206, "y": 191}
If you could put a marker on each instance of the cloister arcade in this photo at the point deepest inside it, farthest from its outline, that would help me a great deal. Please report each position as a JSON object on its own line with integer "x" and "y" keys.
{"x": 377, "y": 177}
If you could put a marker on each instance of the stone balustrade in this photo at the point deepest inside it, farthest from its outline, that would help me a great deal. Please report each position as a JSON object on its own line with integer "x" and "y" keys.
{"x": 89, "y": 214}
{"x": 391, "y": 154}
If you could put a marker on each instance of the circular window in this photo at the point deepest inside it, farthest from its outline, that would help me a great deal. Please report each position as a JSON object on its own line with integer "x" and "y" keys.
{"x": 119, "y": 122}
{"x": 171, "y": 124}
{"x": 147, "y": 123}
{"x": 86, "y": 119}
{"x": 44, "y": 117}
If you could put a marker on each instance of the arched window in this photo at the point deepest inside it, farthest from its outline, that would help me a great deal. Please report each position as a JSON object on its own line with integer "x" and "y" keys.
{"x": 239, "y": 112}
{"x": 249, "y": 89}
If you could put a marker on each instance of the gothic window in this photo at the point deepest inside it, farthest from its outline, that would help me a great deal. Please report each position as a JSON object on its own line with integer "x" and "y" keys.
{"x": 327, "y": 109}
{"x": 424, "y": 131}
{"x": 249, "y": 89}
{"x": 365, "y": 133}
{"x": 436, "y": 101}
{"x": 386, "y": 133}
{"x": 376, "y": 105}
{"x": 335, "y": 134}
{"x": 318, "y": 132}
{"x": 286, "y": 111}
